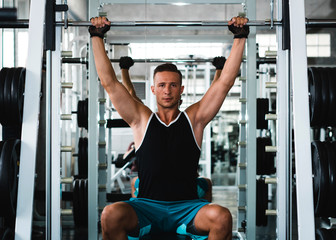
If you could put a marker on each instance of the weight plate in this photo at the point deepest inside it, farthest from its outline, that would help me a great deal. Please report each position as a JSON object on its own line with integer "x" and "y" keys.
{"x": 262, "y": 202}
{"x": 3, "y": 74}
{"x": 86, "y": 113}
{"x": 322, "y": 234}
{"x": 7, "y": 97}
{"x": 333, "y": 233}
{"x": 83, "y": 157}
{"x": 321, "y": 176}
{"x": 332, "y": 97}
{"x": 17, "y": 89}
{"x": 86, "y": 202}
{"x": 8, "y": 234}
{"x": 8, "y": 179}
{"x": 315, "y": 97}
{"x": 260, "y": 156}
{"x": 331, "y": 208}
{"x": 324, "y": 78}
{"x": 82, "y": 202}
{"x": 80, "y": 118}
{"x": 86, "y": 157}
{"x": 269, "y": 158}
{"x": 75, "y": 203}
{"x": 317, "y": 172}
{"x": 324, "y": 187}
{"x": 1, "y": 145}
{"x": 262, "y": 110}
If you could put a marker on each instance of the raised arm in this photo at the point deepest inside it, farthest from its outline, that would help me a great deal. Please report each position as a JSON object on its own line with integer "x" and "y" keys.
{"x": 133, "y": 112}
{"x": 218, "y": 63}
{"x": 125, "y": 63}
{"x": 202, "y": 112}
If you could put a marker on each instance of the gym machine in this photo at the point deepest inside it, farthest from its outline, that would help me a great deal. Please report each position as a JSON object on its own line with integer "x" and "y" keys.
{"x": 301, "y": 124}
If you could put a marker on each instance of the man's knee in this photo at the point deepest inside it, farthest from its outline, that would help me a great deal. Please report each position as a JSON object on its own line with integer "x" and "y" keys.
{"x": 119, "y": 215}
{"x": 220, "y": 216}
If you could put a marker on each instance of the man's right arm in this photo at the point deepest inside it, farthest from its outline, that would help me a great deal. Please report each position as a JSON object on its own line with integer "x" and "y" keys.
{"x": 129, "y": 109}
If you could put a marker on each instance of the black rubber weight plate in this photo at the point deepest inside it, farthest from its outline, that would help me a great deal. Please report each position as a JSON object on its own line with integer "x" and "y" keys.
{"x": 332, "y": 180}
{"x": 324, "y": 78}
{"x": 82, "y": 201}
{"x": 332, "y": 97}
{"x": 262, "y": 110}
{"x": 86, "y": 113}
{"x": 86, "y": 197}
{"x": 315, "y": 97}
{"x": 17, "y": 95}
{"x": 8, "y": 234}
{"x": 3, "y": 74}
{"x": 322, "y": 234}
{"x": 7, "y": 97}
{"x": 8, "y": 177}
{"x": 75, "y": 203}
{"x": 324, "y": 184}
{"x": 79, "y": 114}
{"x": 317, "y": 172}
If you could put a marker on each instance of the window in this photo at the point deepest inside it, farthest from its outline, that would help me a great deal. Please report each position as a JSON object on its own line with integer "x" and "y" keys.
{"x": 318, "y": 45}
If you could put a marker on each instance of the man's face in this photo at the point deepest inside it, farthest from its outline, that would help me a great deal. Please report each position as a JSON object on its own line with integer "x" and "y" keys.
{"x": 167, "y": 89}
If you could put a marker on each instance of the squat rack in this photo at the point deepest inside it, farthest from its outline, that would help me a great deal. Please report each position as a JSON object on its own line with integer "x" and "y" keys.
{"x": 29, "y": 128}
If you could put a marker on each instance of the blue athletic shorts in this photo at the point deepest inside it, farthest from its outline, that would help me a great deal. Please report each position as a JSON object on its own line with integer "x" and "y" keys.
{"x": 159, "y": 217}
{"x": 202, "y": 187}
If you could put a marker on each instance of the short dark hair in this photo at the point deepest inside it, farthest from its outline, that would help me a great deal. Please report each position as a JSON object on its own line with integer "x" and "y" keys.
{"x": 168, "y": 67}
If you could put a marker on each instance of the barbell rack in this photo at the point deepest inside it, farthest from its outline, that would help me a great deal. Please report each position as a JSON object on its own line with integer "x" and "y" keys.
{"x": 24, "y": 23}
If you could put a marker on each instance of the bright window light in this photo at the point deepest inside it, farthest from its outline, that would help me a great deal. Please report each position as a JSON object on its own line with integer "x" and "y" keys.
{"x": 22, "y": 48}
{"x": 175, "y": 50}
{"x": 318, "y": 45}
{"x": 8, "y": 48}
{"x": 266, "y": 42}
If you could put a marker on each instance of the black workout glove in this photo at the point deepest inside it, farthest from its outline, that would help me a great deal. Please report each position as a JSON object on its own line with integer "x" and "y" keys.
{"x": 239, "y": 32}
{"x": 219, "y": 62}
{"x": 98, "y": 32}
{"x": 126, "y": 62}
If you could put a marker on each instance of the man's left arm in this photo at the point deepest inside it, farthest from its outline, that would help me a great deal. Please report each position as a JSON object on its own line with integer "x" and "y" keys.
{"x": 202, "y": 112}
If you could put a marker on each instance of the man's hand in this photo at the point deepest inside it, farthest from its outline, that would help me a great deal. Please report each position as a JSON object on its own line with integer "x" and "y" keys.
{"x": 100, "y": 25}
{"x": 218, "y": 62}
{"x": 126, "y": 62}
{"x": 238, "y": 28}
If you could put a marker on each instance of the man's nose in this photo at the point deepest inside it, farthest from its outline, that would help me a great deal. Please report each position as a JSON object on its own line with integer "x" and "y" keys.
{"x": 167, "y": 89}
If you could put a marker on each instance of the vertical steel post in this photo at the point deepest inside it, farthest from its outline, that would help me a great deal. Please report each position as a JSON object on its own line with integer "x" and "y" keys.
{"x": 303, "y": 164}
{"x": 31, "y": 110}
{"x": 93, "y": 139}
{"x": 283, "y": 133}
{"x": 251, "y": 124}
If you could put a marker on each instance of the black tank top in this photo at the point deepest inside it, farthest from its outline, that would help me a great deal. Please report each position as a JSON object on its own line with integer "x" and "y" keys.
{"x": 168, "y": 160}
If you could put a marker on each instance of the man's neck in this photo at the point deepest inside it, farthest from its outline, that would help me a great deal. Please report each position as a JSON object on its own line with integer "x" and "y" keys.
{"x": 168, "y": 115}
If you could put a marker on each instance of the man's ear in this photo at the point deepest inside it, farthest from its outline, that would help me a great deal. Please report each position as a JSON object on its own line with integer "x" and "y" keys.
{"x": 152, "y": 88}
{"x": 182, "y": 89}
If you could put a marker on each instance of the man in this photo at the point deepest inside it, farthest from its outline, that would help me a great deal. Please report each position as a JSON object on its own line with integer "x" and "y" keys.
{"x": 168, "y": 148}
{"x": 204, "y": 185}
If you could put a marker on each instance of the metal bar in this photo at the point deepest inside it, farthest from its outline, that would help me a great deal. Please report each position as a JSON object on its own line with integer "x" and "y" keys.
{"x": 251, "y": 109}
{"x": 172, "y": 2}
{"x": 31, "y": 109}
{"x": 303, "y": 163}
{"x": 260, "y": 60}
{"x": 170, "y": 23}
{"x": 48, "y": 145}
{"x": 312, "y": 23}
{"x": 93, "y": 215}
